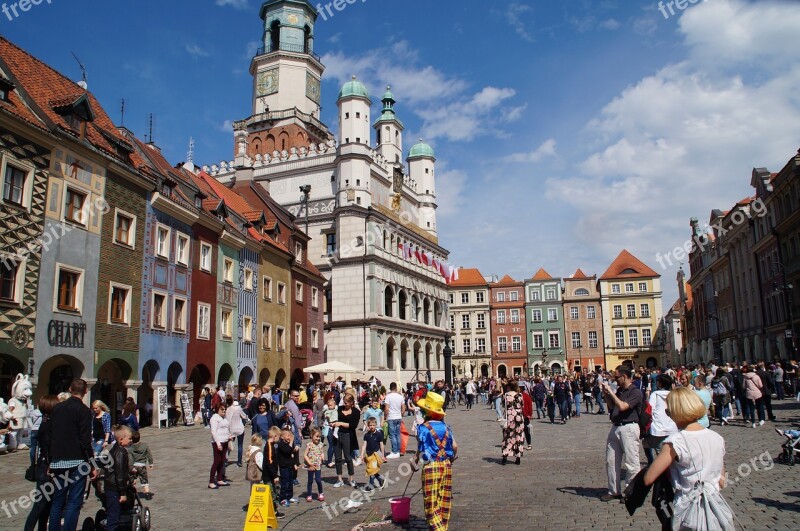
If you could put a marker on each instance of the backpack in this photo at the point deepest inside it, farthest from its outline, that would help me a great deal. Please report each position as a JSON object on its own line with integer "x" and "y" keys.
{"x": 253, "y": 473}
{"x": 645, "y": 418}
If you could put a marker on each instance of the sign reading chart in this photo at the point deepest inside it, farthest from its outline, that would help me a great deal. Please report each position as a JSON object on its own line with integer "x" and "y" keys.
{"x": 260, "y": 512}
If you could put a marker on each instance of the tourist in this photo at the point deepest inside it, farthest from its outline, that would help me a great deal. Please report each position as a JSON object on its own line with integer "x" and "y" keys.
{"x": 220, "y": 438}
{"x": 513, "y": 431}
{"x": 347, "y": 424}
{"x": 622, "y": 444}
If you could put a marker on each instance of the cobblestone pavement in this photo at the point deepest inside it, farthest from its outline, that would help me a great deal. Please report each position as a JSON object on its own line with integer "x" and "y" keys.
{"x": 557, "y": 484}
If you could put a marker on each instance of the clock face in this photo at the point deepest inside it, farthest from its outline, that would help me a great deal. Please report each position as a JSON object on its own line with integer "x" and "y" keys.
{"x": 312, "y": 88}
{"x": 267, "y": 82}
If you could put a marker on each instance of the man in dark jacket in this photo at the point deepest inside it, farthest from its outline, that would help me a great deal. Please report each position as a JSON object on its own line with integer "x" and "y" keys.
{"x": 70, "y": 452}
{"x": 767, "y": 390}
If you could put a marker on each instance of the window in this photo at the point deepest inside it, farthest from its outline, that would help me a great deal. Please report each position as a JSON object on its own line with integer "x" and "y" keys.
{"x": 516, "y": 344}
{"x": 501, "y": 317}
{"x": 629, "y": 287}
{"x": 501, "y": 297}
{"x": 73, "y": 206}
{"x": 205, "y": 257}
{"x": 617, "y": 311}
{"x": 573, "y": 313}
{"x": 119, "y": 304}
{"x": 643, "y": 287}
{"x": 551, "y": 294}
{"x": 248, "y": 279}
{"x": 633, "y": 336}
{"x": 452, "y": 322}
{"x": 481, "y": 321}
{"x": 225, "y": 324}
{"x": 227, "y": 270}
{"x": 576, "y": 340}
{"x": 247, "y": 329}
{"x": 646, "y": 338}
{"x": 179, "y": 315}
{"x": 162, "y": 241}
{"x": 266, "y": 336}
{"x": 480, "y": 345}
{"x": 538, "y": 340}
{"x": 465, "y": 298}
{"x": 298, "y": 335}
{"x": 514, "y": 296}
{"x": 590, "y": 312}
{"x": 203, "y": 321}
{"x": 314, "y": 339}
{"x": 631, "y": 311}
{"x": 514, "y": 316}
{"x": 158, "y": 317}
{"x": 615, "y": 288}
{"x": 314, "y": 298}
{"x": 552, "y": 314}
{"x": 281, "y": 293}
{"x": 182, "y": 250}
{"x": 502, "y": 344}
{"x": 124, "y": 228}
{"x": 467, "y": 345}
{"x": 70, "y": 286}
{"x": 644, "y": 310}
{"x": 554, "y": 341}
{"x": 266, "y": 288}
{"x": 619, "y": 338}
{"x": 479, "y": 297}
{"x": 330, "y": 242}
{"x": 298, "y": 292}
{"x": 15, "y": 186}
{"x": 592, "y": 339}
{"x": 536, "y": 296}
{"x": 465, "y": 321}
{"x": 536, "y": 316}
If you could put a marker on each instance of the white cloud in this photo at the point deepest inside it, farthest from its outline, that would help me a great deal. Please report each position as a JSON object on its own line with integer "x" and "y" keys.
{"x": 546, "y": 149}
{"x": 196, "y": 51}
{"x": 514, "y": 15}
{"x": 236, "y": 4}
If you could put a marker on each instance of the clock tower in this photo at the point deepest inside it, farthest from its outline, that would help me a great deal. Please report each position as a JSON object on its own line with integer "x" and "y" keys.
{"x": 287, "y": 77}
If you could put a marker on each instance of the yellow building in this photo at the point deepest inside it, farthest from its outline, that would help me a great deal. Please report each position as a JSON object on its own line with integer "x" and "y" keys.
{"x": 630, "y": 298}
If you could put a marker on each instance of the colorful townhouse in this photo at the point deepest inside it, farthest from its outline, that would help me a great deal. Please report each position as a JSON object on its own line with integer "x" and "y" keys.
{"x": 509, "y": 340}
{"x": 545, "y": 324}
{"x": 583, "y": 323}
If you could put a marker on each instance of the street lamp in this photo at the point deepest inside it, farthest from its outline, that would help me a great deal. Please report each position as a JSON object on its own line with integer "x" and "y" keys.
{"x": 306, "y": 190}
{"x": 448, "y": 360}
{"x": 786, "y": 289}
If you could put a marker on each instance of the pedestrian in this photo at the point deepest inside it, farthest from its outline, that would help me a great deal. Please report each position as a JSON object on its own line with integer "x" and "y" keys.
{"x": 40, "y": 511}
{"x": 752, "y": 386}
{"x": 373, "y": 450}
{"x": 70, "y": 452}
{"x": 394, "y": 408}
{"x": 347, "y": 424}
{"x": 513, "y": 430}
{"x": 142, "y": 459}
{"x": 694, "y": 454}
{"x": 313, "y": 457}
{"x": 527, "y": 415}
{"x": 220, "y": 438}
{"x": 437, "y": 449}
{"x": 117, "y": 476}
{"x": 622, "y": 444}
{"x": 254, "y": 472}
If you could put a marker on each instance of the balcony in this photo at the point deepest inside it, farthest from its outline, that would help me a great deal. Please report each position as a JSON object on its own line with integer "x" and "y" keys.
{"x": 285, "y": 47}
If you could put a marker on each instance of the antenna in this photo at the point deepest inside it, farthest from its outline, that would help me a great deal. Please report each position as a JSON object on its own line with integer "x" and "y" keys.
{"x": 82, "y": 83}
{"x": 122, "y": 112}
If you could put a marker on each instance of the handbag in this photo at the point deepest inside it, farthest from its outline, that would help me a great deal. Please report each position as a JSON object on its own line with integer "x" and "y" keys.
{"x": 703, "y": 508}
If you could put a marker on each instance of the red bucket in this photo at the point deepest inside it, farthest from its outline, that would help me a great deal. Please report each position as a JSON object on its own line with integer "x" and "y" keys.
{"x": 401, "y": 509}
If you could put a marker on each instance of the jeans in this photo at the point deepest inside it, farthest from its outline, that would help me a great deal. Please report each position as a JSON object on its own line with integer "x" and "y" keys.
{"x": 112, "y": 510}
{"x": 67, "y": 499}
{"x": 577, "y": 399}
{"x": 394, "y": 436}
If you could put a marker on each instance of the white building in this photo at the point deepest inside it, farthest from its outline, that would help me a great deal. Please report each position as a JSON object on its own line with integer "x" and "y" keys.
{"x": 372, "y": 220}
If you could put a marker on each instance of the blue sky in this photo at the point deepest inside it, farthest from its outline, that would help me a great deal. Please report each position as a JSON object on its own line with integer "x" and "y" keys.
{"x": 564, "y": 131}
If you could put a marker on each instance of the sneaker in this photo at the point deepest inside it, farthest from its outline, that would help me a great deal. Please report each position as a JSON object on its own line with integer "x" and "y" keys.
{"x": 760, "y": 422}
{"x": 338, "y": 484}
{"x": 279, "y": 515}
{"x": 353, "y": 484}
{"x": 285, "y": 503}
{"x": 321, "y": 497}
{"x": 393, "y": 455}
{"x": 309, "y": 498}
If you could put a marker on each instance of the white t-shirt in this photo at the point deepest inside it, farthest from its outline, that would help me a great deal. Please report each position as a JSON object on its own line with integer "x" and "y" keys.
{"x": 700, "y": 457}
{"x": 394, "y": 402}
{"x": 662, "y": 425}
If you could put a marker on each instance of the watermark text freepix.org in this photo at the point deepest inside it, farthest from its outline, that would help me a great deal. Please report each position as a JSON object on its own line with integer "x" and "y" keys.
{"x": 15, "y": 9}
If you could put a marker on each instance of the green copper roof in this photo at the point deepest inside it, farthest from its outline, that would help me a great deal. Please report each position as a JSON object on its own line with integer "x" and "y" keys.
{"x": 421, "y": 150}
{"x": 354, "y": 89}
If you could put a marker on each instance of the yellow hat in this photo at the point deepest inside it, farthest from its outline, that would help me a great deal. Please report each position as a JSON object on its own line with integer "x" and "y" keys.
{"x": 432, "y": 402}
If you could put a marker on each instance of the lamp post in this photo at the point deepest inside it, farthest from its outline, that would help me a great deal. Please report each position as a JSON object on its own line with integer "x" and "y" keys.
{"x": 306, "y": 190}
{"x": 786, "y": 289}
{"x": 448, "y": 360}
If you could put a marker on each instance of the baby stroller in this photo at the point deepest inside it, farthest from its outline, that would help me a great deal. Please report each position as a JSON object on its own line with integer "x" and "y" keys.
{"x": 133, "y": 515}
{"x": 790, "y": 450}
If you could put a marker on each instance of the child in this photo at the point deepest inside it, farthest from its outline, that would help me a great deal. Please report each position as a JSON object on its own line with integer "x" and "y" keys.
{"x": 271, "y": 474}
{"x": 255, "y": 464}
{"x": 373, "y": 451}
{"x": 286, "y": 466}
{"x": 331, "y": 415}
{"x": 117, "y": 475}
{"x": 140, "y": 456}
{"x": 313, "y": 459}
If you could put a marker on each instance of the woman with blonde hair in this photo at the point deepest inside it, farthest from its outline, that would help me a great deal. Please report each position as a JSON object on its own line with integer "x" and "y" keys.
{"x": 694, "y": 455}
{"x": 101, "y": 426}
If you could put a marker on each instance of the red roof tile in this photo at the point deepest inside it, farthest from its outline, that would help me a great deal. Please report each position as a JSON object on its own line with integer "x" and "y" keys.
{"x": 628, "y": 266}
{"x": 469, "y": 277}
{"x": 542, "y": 275}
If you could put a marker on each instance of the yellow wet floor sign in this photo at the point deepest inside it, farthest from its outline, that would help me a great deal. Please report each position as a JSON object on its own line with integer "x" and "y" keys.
{"x": 260, "y": 512}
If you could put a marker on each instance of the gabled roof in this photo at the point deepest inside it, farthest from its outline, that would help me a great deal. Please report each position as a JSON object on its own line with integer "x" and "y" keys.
{"x": 507, "y": 281}
{"x": 469, "y": 277}
{"x": 579, "y": 275}
{"x": 542, "y": 275}
{"x": 628, "y": 266}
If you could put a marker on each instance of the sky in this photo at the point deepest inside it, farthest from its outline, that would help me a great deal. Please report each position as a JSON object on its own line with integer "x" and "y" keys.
{"x": 564, "y": 131}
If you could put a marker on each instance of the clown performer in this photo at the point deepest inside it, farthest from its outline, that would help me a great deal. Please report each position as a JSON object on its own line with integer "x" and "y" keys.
{"x": 21, "y": 392}
{"x": 437, "y": 449}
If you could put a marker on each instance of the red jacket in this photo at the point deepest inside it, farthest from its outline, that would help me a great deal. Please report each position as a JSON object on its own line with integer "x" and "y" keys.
{"x": 527, "y": 405}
